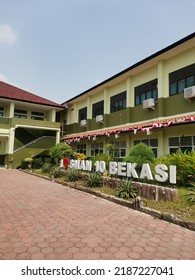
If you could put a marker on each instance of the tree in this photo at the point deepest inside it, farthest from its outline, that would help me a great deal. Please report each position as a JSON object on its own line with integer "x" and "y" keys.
{"x": 59, "y": 152}
{"x": 140, "y": 154}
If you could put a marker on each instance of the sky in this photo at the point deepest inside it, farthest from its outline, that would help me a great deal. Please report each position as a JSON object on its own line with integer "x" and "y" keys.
{"x": 57, "y": 49}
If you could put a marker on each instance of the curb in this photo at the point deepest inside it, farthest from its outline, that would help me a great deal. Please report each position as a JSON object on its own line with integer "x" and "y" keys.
{"x": 154, "y": 213}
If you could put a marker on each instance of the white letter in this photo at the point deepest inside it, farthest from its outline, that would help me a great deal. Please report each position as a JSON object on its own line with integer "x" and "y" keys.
{"x": 172, "y": 174}
{"x": 122, "y": 168}
{"x": 82, "y": 165}
{"x": 88, "y": 165}
{"x": 71, "y": 164}
{"x": 146, "y": 172}
{"x": 131, "y": 172}
{"x": 102, "y": 166}
{"x": 112, "y": 167}
{"x": 161, "y": 175}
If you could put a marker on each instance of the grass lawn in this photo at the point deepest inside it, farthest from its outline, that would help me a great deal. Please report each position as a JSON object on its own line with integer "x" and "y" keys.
{"x": 179, "y": 208}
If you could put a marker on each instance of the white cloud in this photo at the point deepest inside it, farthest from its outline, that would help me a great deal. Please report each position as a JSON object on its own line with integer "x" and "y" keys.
{"x": 3, "y": 78}
{"x": 7, "y": 34}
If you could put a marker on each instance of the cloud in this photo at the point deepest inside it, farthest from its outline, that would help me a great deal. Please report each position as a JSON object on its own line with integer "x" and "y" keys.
{"x": 3, "y": 78}
{"x": 7, "y": 34}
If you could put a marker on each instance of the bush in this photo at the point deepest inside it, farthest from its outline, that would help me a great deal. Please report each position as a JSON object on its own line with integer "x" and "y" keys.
{"x": 55, "y": 172}
{"x": 140, "y": 154}
{"x": 72, "y": 175}
{"x": 185, "y": 163}
{"x": 24, "y": 164}
{"x": 94, "y": 180}
{"x": 190, "y": 197}
{"x": 60, "y": 151}
{"x": 37, "y": 163}
{"x": 126, "y": 189}
{"x": 46, "y": 167}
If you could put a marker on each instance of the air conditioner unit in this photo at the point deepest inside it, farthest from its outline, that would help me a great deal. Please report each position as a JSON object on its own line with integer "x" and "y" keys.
{"x": 189, "y": 93}
{"x": 149, "y": 104}
{"x": 83, "y": 123}
{"x": 100, "y": 119}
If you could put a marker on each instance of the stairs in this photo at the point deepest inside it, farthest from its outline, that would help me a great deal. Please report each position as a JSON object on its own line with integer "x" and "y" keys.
{"x": 32, "y": 149}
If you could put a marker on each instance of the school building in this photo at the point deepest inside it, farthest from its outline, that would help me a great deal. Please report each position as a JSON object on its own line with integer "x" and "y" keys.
{"x": 152, "y": 101}
{"x": 28, "y": 125}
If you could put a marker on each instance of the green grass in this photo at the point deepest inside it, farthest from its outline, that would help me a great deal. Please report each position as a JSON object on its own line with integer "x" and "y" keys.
{"x": 179, "y": 208}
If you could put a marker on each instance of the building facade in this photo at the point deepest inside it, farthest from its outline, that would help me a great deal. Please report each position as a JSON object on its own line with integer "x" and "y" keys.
{"x": 152, "y": 102}
{"x": 28, "y": 125}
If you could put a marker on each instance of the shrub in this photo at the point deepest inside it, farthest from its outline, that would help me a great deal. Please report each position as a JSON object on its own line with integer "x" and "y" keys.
{"x": 190, "y": 197}
{"x": 24, "y": 164}
{"x": 140, "y": 154}
{"x": 185, "y": 163}
{"x": 46, "y": 167}
{"x": 94, "y": 180}
{"x": 37, "y": 163}
{"x": 60, "y": 151}
{"x": 79, "y": 156}
{"x": 72, "y": 175}
{"x": 55, "y": 172}
{"x": 126, "y": 189}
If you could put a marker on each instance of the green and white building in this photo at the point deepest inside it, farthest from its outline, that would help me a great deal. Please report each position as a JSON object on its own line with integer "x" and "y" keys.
{"x": 152, "y": 101}
{"x": 28, "y": 125}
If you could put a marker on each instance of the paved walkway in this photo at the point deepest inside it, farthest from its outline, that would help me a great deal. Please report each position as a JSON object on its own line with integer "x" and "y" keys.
{"x": 40, "y": 219}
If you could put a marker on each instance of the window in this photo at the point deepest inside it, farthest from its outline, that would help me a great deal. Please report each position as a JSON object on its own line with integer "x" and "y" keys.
{"x": 185, "y": 143}
{"x": 37, "y": 116}
{"x": 118, "y": 102}
{"x": 120, "y": 149}
{"x": 1, "y": 111}
{"x": 96, "y": 148}
{"x": 81, "y": 148}
{"x": 83, "y": 114}
{"x": 21, "y": 114}
{"x": 98, "y": 109}
{"x": 152, "y": 143}
{"x": 181, "y": 79}
{"x": 146, "y": 91}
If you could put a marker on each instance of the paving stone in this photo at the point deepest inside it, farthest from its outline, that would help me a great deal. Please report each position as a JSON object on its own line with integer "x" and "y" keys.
{"x": 44, "y": 220}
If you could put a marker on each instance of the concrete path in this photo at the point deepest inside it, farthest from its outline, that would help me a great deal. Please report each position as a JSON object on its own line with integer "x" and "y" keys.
{"x": 40, "y": 219}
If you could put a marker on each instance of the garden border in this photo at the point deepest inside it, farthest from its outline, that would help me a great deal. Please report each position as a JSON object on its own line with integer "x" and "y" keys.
{"x": 154, "y": 213}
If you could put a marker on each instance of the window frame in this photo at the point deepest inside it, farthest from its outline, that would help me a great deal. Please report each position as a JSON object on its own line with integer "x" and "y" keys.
{"x": 20, "y": 113}
{"x": 96, "y": 148}
{"x": 118, "y": 102}
{"x": 82, "y": 114}
{"x": 145, "y": 91}
{"x": 181, "y": 75}
{"x": 98, "y": 109}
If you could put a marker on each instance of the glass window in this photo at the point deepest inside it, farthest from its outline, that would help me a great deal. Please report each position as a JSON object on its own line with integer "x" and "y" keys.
{"x": 120, "y": 149}
{"x": 118, "y": 102}
{"x": 181, "y": 86}
{"x": 184, "y": 143}
{"x": 1, "y": 111}
{"x": 173, "y": 88}
{"x": 22, "y": 114}
{"x": 98, "y": 109}
{"x": 190, "y": 81}
{"x": 96, "y": 148}
{"x": 81, "y": 148}
{"x": 146, "y": 91}
{"x": 181, "y": 79}
{"x": 83, "y": 114}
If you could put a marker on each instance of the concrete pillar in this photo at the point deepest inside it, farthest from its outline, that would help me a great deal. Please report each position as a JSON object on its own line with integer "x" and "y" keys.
{"x": 51, "y": 115}
{"x": 129, "y": 95}
{"x": 57, "y": 136}
{"x": 11, "y": 141}
{"x": 89, "y": 108}
{"x": 11, "y": 110}
{"x": 106, "y": 102}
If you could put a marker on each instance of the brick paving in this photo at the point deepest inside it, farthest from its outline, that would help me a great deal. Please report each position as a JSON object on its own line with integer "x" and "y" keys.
{"x": 40, "y": 219}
